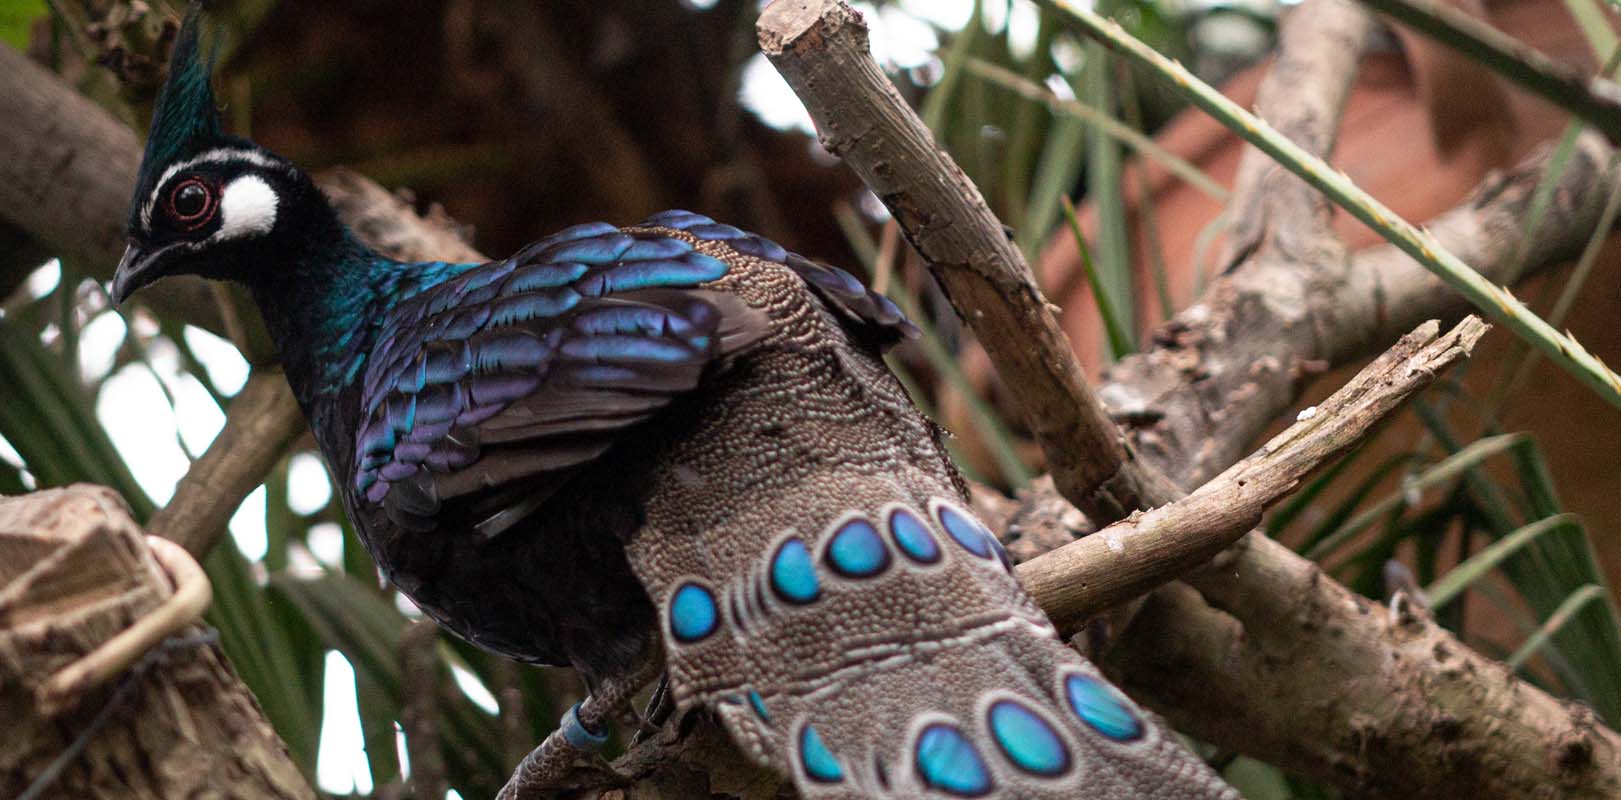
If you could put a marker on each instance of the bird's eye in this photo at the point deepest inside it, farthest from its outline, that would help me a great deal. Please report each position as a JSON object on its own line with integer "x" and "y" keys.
{"x": 191, "y": 203}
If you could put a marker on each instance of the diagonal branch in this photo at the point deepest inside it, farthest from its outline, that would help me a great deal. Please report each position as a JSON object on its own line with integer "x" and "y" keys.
{"x": 1131, "y": 557}
{"x": 1221, "y": 371}
{"x": 1411, "y": 756}
{"x": 860, "y": 116}
{"x": 1491, "y": 299}
{"x": 260, "y": 425}
{"x": 1302, "y": 96}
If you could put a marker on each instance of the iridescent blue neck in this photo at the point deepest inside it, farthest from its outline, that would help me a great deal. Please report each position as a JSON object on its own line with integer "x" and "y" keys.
{"x": 327, "y": 315}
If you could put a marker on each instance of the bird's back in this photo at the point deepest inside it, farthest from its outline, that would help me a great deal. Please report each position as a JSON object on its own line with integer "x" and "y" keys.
{"x": 767, "y": 503}
{"x": 822, "y": 584}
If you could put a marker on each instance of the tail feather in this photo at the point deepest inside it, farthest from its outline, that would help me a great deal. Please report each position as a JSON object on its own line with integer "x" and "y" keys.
{"x": 890, "y": 653}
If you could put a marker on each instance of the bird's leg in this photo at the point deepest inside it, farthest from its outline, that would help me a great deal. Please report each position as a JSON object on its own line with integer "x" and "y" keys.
{"x": 580, "y": 734}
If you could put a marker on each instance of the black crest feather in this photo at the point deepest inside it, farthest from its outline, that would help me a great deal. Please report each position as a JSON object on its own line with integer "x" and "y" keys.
{"x": 185, "y": 120}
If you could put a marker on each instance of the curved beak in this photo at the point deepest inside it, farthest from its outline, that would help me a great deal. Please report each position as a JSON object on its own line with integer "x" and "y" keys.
{"x": 137, "y": 268}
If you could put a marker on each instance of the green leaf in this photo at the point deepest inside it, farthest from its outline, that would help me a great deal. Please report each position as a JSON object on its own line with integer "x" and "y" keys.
{"x": 365, "y": 627}
{"x": 1121, "y": 342}
{"x": 260, "y": 649}
{"x": 17, "y": 18}
{"x": 1555, "y": 565}
{"x": 50, "y": 419}
{"x": 1442, "y": 472}
{"x": 1461, "y": 577}
{"x": 1104, "y": 191}
{"x": 1555, "y": 622}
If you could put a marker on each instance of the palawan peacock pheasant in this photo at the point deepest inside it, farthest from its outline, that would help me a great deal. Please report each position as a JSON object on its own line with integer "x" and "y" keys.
{"x": 670, "y": 445}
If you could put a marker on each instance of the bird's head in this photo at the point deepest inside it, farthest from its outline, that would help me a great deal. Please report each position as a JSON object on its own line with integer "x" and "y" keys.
{"x": 206, "y": 203}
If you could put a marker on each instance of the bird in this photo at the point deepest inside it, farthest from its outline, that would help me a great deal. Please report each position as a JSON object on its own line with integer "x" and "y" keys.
{"x": 663, "y": 451}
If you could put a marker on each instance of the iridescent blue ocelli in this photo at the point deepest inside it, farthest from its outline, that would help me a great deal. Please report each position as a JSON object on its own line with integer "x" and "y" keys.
{"x": 758, "y": 704}
{"x": 966, "y": 531}
{"x": 817, "y": 760}
{"x": 857, "y": 551}
{"x": 1100, "y": 706}
{"x": 913, "y": 537}
{"x": 793, "y": 576}
{"x": 1027, "y": 739}
{"x": 1000, "y": 551}
{"x": 947, "y": 761}
{"x": 693, "y": 613}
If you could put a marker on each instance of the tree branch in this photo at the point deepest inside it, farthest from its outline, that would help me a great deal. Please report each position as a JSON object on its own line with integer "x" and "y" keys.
{"x": 75, "y": 569}
{"x": 1302, "y": 96}
{"x": 820, "y": 47}
{"x": 1219, "y": 372}
{"x": 800, "y": 27}
{"x": 1379, "y": 701}
{"x": 260, "y": 425}
{"x": 1491, "y": 299}
{"x": 1129, "y": 558}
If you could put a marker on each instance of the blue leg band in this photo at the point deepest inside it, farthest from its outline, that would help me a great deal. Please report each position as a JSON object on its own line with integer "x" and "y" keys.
{"x": 577, "y": 734}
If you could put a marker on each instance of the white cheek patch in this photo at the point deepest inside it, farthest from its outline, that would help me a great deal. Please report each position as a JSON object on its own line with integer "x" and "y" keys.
{"x": 247, "y": 208}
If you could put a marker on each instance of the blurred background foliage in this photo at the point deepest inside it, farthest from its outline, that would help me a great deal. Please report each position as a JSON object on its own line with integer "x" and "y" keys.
{"x": 521, "y": 118}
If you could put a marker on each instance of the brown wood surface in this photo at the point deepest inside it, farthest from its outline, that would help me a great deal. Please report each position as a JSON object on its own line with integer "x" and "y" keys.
{"x": 74, "y": 571}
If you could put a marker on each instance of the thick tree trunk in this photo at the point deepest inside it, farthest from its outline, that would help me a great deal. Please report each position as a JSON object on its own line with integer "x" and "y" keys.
{"x": 75, "y": 571}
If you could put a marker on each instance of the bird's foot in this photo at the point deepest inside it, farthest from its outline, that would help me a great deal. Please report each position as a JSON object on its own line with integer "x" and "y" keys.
{"x": 659, "y": 707}
{"x": 569, "y": 758}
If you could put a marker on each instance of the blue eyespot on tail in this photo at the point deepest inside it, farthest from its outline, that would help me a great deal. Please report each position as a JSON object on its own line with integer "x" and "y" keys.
{"x": 693, "y": 613}
{"x": 857, "y": 551}
{"x": 1102, "y": 708}
{"x": 966, "y": 531}
{"x": 1027, "y": 740}
{"x": 913, "y": 537}
{"x": 793, "y": 576}
{"x": 817, "y": 760}
{"x": 947, "y": 761}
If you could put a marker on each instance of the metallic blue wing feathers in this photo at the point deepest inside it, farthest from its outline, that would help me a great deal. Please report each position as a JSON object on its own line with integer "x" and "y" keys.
{"x": 522, "y": 369}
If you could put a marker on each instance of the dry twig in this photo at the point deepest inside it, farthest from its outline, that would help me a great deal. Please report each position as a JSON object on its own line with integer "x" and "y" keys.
{"x": 1133, "y": 556}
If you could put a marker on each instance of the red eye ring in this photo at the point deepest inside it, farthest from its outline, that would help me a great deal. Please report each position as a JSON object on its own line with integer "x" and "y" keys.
{"x": 191, "y": 203}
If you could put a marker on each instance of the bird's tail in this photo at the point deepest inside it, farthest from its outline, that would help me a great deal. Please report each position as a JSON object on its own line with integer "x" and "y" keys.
{"x": 888, "y": 652}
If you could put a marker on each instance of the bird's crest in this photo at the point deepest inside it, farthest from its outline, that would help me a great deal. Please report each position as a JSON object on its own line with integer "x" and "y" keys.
{"x": 185, "y": 120}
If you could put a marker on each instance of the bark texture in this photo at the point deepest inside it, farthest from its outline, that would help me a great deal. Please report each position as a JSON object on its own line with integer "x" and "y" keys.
{"x": 1278, "y": 301}
{"x": 1125, "y": 560}
{"x": 74, "y": 572}
{"x": 822, "y": 50}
